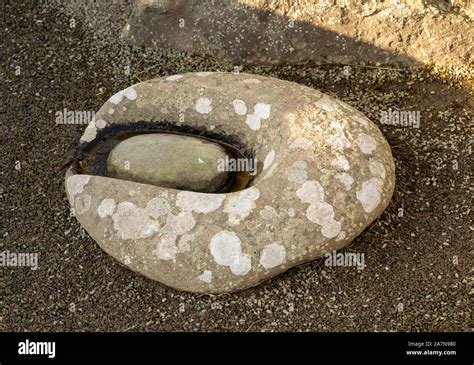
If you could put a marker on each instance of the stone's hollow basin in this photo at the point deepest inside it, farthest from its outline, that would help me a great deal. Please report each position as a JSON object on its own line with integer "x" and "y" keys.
{"x": 170, "y": 160}
{"x": 325, "y": 172}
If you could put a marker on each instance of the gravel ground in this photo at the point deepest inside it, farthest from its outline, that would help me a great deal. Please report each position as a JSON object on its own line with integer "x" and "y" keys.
{"x": 418, "y": 255}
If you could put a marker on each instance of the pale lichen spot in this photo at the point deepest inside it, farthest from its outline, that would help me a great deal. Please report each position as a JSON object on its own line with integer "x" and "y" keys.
{"x": 183, "y": 243}
{"x": 133, "y": 223}
{"x": 106, "y": 208}
{"x": 158, "y": 207}
{"x": 322, "y": 213}
{"x": 377, "y": 168}
{"x": 268, "y": 213}
{"x": 199, "y": 202}
{"x": 203, "y": 105}
{"x": 341, "y": 236}
{"x": 174, "y": 77}
{"x": 129, "y": 93}
{"x": 100, "y": 124}
{"x": 204, "y": 73}
{"x": 239, "y": 107}
{"x": 262, "y": 110}
{"x": 179, "y": 224}
{"x": 310, "y": 192}
{"x": 297, "y": 172}
{"x": 226, "y": 249}
{"x": 206, "y": 276}
{"x": 340, "y": 162}
{"x": 369, "y": 194}
{"x": 82, "y": 203}
{"x": 301, "y": 143}
{"x": 253, "y": 121}
{"x": 111, "y": 110}
{"x": 166, "y": 248}
{"x": 75, "y": 185}
{"x": 269, "y": 159}
{"x": 345, "y": 179}
{"x": 239, "y": 207}
{"x": 272, "y": 255}
{"x": 338, "y": 141}
{"x": 367, "y": 144}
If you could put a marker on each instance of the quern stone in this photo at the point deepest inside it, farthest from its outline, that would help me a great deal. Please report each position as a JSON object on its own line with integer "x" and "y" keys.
{"x": 169, "y": 160}
{"x": 325, "y": 172}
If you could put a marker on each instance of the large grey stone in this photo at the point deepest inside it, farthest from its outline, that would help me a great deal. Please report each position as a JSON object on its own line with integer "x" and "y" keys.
{"x": 299, "y": 31}
{"x": 325, "y": 173}
{"x": 169, "y": 160}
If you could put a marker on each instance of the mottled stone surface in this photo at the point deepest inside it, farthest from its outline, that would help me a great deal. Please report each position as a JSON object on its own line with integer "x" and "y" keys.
{"x": 169, "y": 160}
{"x": 299, "y": 31}
{"x": 325, "y": 173}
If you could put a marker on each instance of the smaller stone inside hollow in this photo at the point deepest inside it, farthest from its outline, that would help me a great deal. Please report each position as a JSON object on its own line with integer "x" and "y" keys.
{"x": 171, "y": 161}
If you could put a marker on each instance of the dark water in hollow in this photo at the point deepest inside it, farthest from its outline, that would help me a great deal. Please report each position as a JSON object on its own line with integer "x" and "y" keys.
{"x": 92, "y": 157}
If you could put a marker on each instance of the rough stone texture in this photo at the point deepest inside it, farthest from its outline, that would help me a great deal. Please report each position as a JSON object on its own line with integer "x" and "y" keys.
{"x": 169, "y": 160}
{"x": 326, "y": 173}
{"x": 282, "y": 31}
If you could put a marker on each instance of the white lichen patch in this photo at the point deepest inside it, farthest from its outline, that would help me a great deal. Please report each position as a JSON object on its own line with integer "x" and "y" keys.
{"x": 75, "y": 185}
{"x": 260, "y": 111}
{"x": 166, "y": 248}
{"x": 272, "y": 255}
{"x": 132, "y": 222}
{"x": 239, "y": 207}
{"x": 345, "y": 179}
{"x": 253, "y": 121}
{"x": 176, "y": 225}
{"x": 226, "y": 249}
{"x": 239, "y": 107}
{"x": 341, "y": 236}
{"x": 322, "y": 213}
{"x": 268, "y": 213}
{"x": 206, "y": 276}
{"x": 377, "y": 168}
{"x": 184, "y": 243}
{"x": 199, "y": 202}
{"x": 179, "y": 224}
{"x": 174, "y": 77}
{"x": 129, "y": 93}
{"x": 367, "y": 144}
{"x": 203, "y": 105}
{"x": 301, "y": 143}
{"x": 269, "y": 159}
{"x": 100, "y": 123}
{"x": 338, "y": 140}
{"x": 369, "y": 194}
{"x": 158, "y": 207}
{"x": 106, "y": 208}
{"x": 297, "y": 172}
{"x": 310, "y": 192}
{"x": 341, "y": 162}
{"x": 82, "y": 203}
{"x": 204, "y": 73}
{"x": 318, "y": 211}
